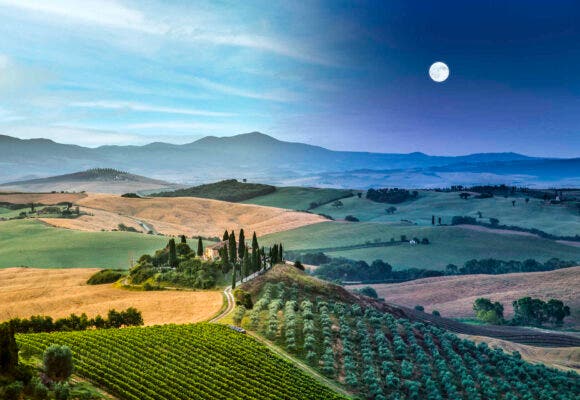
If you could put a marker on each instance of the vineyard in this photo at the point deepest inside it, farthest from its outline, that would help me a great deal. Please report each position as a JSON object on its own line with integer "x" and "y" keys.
{"x": 200, "y": 361}
{"x": 378, "y": 356}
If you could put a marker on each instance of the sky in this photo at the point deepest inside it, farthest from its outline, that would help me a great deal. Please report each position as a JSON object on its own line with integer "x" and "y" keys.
{"x": 346, "y": 75}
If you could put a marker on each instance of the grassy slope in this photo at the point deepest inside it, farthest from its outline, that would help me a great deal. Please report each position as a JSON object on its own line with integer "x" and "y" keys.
{"x": 555, "y": 219}
{"x": 298, "y": 198}
{"x": 31, "y": 243}
{"x": 448, "y": 244}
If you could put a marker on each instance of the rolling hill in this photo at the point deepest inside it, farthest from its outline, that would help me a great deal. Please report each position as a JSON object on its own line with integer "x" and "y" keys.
{"x": 96, "y": 180}
{"x": 263, "y": 158}
{"x": 453, "y": 296}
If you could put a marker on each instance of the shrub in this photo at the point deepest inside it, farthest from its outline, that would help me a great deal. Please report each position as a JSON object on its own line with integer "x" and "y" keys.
{"x": 104, "y": 276}
{"x": 436, "y": 313}
{"x": 419, "y": 308}
{"x": 13, "y": 391}
{"x": 351, "y": 218}
{"x": 58, "y": 363}
{"x": 299, "y": 265}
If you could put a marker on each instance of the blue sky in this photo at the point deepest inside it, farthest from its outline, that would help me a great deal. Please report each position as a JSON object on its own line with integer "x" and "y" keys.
{"x": 343, "y": 75}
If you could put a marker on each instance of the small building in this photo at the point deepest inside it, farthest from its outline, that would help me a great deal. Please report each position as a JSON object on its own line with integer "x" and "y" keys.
{"x": 212, "y": 252}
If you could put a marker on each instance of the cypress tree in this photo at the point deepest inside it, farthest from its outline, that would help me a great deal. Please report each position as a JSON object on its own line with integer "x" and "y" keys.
{"x": 432, "y": 220}
{"x": 232, "y": 248}
{"x": 226, "y": 236}
{"x": 241, "y": 244}
{"x": 255, "y": 254}
{"x": 280, "y": 253}
{"x": 199, "y": 247}
{"x": 246, "y": 264}
{"x": 8, "y": 349}
{"x": 225, "y": 259}
{"x": 234, "y": 277}
{"x": 183, "y": 239}
{"x": 172, "y": 253}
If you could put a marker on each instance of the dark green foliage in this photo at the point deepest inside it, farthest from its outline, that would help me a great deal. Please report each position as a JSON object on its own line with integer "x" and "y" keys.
{"x": 183, "y": 239}
{"x": 183, "y": 249}
{"x": 530, "y": 311}
{"x": 199, "y": 247}
{"x": 172, "y": 253}
{"x": 487, "y": 311}
{"x": 226, "y": 236}
{"x": 227, "y": 190}
{"x": 392, "y": 196}
{"x": 58, "y": 363}
{"x": 38, "y": 323}
{"x": 351, "y": 218}
{"x": 463, "y": 220}
{"x": 105, "y": 276}
{"x": 243, "y": 298}
{"x": 436, "y": 313}
{"x": 419, "y": 308}
{"x": 241, "y": 244}
{"x": 13, "y": 391}
{"x": 131, "y": 195}
{"x": 298, "y": 264}
{"x": 368, "y": 291}
{"x": 61, "y": 391}
{"x": 232, "y": 248}
{"x": 8, "y": 349}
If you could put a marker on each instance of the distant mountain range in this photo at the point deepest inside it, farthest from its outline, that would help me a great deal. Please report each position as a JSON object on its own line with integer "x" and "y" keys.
{"x": 262, "y": 158}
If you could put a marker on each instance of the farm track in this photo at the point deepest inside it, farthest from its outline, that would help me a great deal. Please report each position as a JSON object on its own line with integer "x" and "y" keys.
{"x": 516, "y": 334}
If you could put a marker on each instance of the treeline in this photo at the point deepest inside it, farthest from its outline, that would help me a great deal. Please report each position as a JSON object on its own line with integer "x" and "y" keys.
{"x": 391, "y": 196}
{"x": 226, "y": 190}
{"x": 527, "y": 311}
{"x": 344, "y": 269}
{"x": 179, "y": 264}
{"x": 494, "y": 224}
{"x": 39, "y": 323}
{"x": 105, "y": 276}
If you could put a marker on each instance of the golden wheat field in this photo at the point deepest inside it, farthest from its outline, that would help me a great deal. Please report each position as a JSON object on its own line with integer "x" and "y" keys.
{"x": 195, "y": 216}
{"x": 60, "y": 292}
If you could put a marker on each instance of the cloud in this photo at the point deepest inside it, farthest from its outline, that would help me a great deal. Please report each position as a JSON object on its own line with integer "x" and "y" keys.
{"x": 124, "y": 105}
{"x": 17, "y": 77}
{"x": 181, "y": 125}
{"x": 205, "y": 28}
{"x": 282, "y": 96}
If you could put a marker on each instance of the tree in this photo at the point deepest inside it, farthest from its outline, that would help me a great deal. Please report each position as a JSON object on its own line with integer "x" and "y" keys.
{"x": 234, "y": 277}
{"x": 368, "y": 291}
{"x": 183, "y": 239}
{"x": 246, "y": 264}
{"x": 513, "y": 203}
{"x": 465, "y": 195}
{"x": 31, "y": 207}
{"x": 494, "y": 221}
{"x": 58, "y": 363}
{"x": 432, "y": 220}
{"x": 280, "y": 253}
{"x": 337, "y": 204}
{"x": 556, "y": 311}
{"x": 527, "y": 200}
{"x": 391, "y": 210}
{"x": 419, "y": 308}
{"x": 172, "y": 253}
{"x": 479, "y": 214}
{"x": 298, "y": 264}
{"x": 436, "y": 313}
{"x": 451, "y": 269}
{"x": 439, "y": 220}
{"x": 241, "y": 244}
{"x": 8, "y": 349}
{"x": 255, "y": 253}
{"x": 199, "y": 247}
{"x": 359, "y": 194}
{"x": 233, "y": 248}
{"x": 528, "y": 311}
{"x": 487, "y": 311}
{"x": 226, "y": 236}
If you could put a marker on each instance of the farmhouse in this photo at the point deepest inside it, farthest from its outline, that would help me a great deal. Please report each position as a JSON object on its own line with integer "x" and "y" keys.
{"x": 212, "y": 252}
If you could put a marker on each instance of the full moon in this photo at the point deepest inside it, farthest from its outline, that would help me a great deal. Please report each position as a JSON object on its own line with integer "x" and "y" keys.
{"x": 439, "y": 71}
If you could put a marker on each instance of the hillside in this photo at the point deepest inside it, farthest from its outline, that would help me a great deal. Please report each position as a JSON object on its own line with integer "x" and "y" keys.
{"x": 178, "y": 362}
{"x": 97, "y": 180}
{"x": 453, "y": 296}
{"x": 367, "y": 347}
{"x": 60, "y": 292}
{"x": 263, "y": 158}
{"x": 192, "y": 216}
{"x": 227, "y": 190}
{"x": 300, "y": 198}
{"x": 448, "y": 244}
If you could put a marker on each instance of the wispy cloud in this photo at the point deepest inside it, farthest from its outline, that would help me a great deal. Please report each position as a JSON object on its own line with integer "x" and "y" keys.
{"x": 132, "y": 106}
{"x": 282, "y": 96}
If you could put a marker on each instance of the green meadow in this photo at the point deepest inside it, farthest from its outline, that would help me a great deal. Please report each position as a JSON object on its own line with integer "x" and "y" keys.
{"x": 448, "y": 244}
{"x": 562, "y": 220}
{"x": 34, "y": 244}
{"x": 298, "y": 198}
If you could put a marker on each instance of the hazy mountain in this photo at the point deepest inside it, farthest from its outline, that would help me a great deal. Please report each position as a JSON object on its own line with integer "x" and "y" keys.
{"x": 98, "y": 180}
{"x": 254, "y": 156}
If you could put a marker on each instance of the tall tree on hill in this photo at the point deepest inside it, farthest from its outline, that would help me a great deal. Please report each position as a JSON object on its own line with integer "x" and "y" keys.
{"x": 280, "y": 253}
{"x": 432, "y": 220}
{"x": 234, "y": 277}
{"x": 255, "y": 254}
{"x": 183, "y": 239}
{"x": 8, "y": 349}
{"x": 226, "y": 236}
{"x": 246, "y": 264}
{"x": 232, "y": 248}
{"x": 263, "y": 258}
{"x": 241, "y": 244}
{"x": 172, "y": 253}
{"x": 199, "y": 247}
{"x": 224, "y": 254}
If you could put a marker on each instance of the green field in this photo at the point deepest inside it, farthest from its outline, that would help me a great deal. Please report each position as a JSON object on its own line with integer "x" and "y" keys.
{"x": 298, "y": 198}
{"x": 555, "y": 219}
{"x": 178, "y": 362}
{"x": 34, "y": 244}
{"x": 449, "y": 244}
